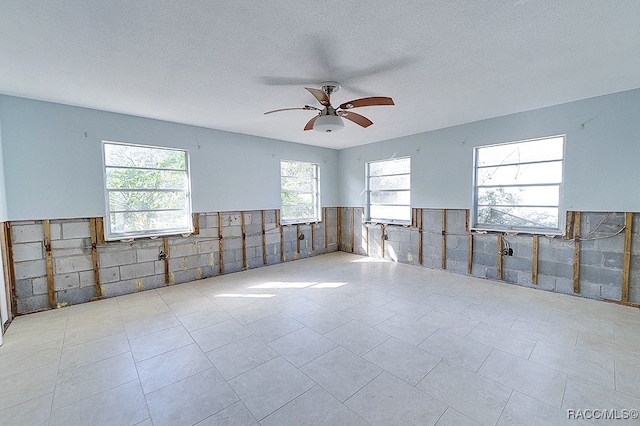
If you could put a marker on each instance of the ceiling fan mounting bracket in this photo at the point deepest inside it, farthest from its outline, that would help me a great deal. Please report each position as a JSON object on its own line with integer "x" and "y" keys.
{"x": 330, "y": 87}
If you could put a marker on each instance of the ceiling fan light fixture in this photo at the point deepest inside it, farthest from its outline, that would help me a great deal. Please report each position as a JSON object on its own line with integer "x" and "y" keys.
{"x": 328, "y": 124}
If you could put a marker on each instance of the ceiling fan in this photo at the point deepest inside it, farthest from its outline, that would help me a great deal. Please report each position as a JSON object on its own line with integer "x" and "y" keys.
{"x": 329, "y": 119}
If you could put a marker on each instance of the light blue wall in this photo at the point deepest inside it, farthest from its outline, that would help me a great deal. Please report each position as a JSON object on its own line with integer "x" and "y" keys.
{"x": 602, "y": 158}
{"x": 3, "y": 195}
{"x": 53, "y": 161}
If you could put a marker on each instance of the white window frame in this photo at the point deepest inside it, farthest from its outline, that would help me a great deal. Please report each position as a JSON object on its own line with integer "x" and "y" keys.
{"x": 515, "y": 228}
{"x": 115, "y": 236}
{"x": 389, "y": 220}
{"x": 315, "y": 194}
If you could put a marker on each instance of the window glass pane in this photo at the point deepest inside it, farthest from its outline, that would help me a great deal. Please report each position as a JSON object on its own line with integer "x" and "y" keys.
{"x": 132, "y": 222}
{"x": 390, "y": 182}
{"x": 144, "y": 157}
{"x": 299, "y": 191}
{"x": 522, "y": 174}
{"x": 536, "y": 217}
{"x": 390, "y": 167}
{"x": 147, "y": 200}
{"x": 386, "y": 213}
{"x": 298, "y": 184}
{"x": 520, "y": 152}
{"x": 520, "y": 195}
{"x": 119, "y": 178}
{"x": 390, "y": 197}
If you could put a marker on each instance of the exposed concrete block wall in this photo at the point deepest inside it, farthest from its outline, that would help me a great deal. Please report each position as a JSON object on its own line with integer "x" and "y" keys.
{"x": 601, "y": 251}
{"x": 131, "y": 266}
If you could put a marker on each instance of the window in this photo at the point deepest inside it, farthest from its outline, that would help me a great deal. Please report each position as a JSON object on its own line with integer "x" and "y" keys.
{"x": 389, "y": 191}
{"x": 299, "y": 192}
{"x": 518, "y": 186}
{"x": 147, "y": 191}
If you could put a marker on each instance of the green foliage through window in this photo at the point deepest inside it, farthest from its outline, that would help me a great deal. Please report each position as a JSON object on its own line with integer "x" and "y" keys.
{"x": 389, "y": 190}
{"x": 147, "y": 191}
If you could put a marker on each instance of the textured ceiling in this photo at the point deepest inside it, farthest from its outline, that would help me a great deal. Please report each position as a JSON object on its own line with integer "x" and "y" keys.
{"x": 221, "y": 64}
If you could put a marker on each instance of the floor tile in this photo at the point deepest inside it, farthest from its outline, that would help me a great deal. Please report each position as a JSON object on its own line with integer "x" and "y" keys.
{"x": 157, "y": 343}
{"x": 220, "y": 334}
{"x": 241, "y": 356}
{"x": 190, "y": 400}
{"x": 628, "y": 377}
{"x": 302, "y": 346}
{"x": 480, "y": 312}
{"x": 34, "y": 412}
{"x": 297, "y": 307}
{"x": 545, "y": 384}
{"x": 170, "y": 367}
{"x": 123, "y": 405}
{"x": 234, "y": 415}
{"x": 338, "y": 301}
{"x": 357, "y": 337}
{"x": 340, "y": 372}
{"x": 91, "y": 379}
{"x": 408, "y": 308}
{"x": 253, "y": 312}
{"x": 270, "y": 386}
{"x": 273, "y": 327}
{"x": 46, "y": 354}
{"x": 90, "y": 352}
{"x": 323, "y": 320}
{"x": 403, "y": 360}
{"x": 508, "y": 341}
{"x": 367, "y": 314}
{"x": 584, "y": 395}
{"x": 406, "y": 329}
{"x": 89, "y": 332}
{"x": 541, "y": 330}
{"x": 473, "y": 395}
{"x": 575, "y": 362}
{"x": 452, "y": 417}
{"x": 375, "y": 297}
{"x": 449, "y": 321}
{"x": 523, "y": 410}
{"x": 386, "y": 400}
{"x": 204, "y": 318}
{"x": 27, "y": 385}
{"x": 458, "y": 350}
{"x": 314, "y": 407}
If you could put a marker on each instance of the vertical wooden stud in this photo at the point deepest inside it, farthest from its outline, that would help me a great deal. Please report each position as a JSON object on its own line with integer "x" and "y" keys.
{"x": 353, "y": 228}
{"x": 243, "y": 228}
{"x": 576, "y": 253}
{"x": 626, "y": 264}
{"x": 339, "y": 227}
{"x": 167, "y": 275}
{"x": 100, "y": 231}
{"x": 220, "y": 244}
{"x": 534, "y": 261}
{"x": 298, "y": 238}
{"x": 283, "y": 258}
{"x": 94, "y": 256}
{"x": 569, "y": 230}
{"x": 278, "y": 224}
{"x": 444, "y": 239}
{"x": 467, "y": 220}
{"x": 326, "y": 229}
{"x": 264, "y": 239}
{"x": 196, "y": 223}
{"x": 313, "y": 237}
{"x": 9, "y": 271}
{"x": 382, "y": 237}
{"x": 49, "y": 259}
{"x": 420, "y": 237}
{"x": 499, "y": 256}
{"x": 470, "y": 258}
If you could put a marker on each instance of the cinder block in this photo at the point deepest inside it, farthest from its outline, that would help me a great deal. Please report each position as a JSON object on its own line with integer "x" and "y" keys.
{"x": 40, "y": 285}
{"x": 564, "y": 285}
{"x": 109, "y": 275}
{"x": 87, "y": 278}
{"x": 27, "y": 233}
{"x": 64, "y": 281}
{"x": 612, "y": 244}
{"x": 591, "y": 257}
{"x": 186, "y": 248}
{"x": 546, "y": 282}
{"x": 559, "y": 270}
{"x": 24, "y": 288}
{"x": 76, "y": 229}
{"x": 590, "y": 290}
{"x": 613, "y": 260}
{"x": 71, "y": 247}
{"x": 148, "y": 254}
{"x": 599, "y": 275}
{"x": 612, "y": 292}
{"x": 28, "y": 251}
{"x": 33, "y": 303}
{"x": 30, "y": 269}
{"x": 63, "y": 265}
{"x": 117, "y": 258}
{"x": 76, "y": 296}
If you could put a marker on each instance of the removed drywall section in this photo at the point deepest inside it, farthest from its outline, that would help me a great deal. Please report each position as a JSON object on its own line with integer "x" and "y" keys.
{"x": 132, "y": 266}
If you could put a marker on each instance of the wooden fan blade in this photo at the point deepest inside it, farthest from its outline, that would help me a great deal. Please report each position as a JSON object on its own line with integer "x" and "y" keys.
{"x": 306, "y": 107}
{"x": 309, "y": 125}
{"x": 356, "y": 118}
{"x": 319, "y": 95}
{"x": 371, "y": 101}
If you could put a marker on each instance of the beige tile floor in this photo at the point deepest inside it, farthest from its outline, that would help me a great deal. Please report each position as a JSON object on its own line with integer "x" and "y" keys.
{"x": 335, "y": 339}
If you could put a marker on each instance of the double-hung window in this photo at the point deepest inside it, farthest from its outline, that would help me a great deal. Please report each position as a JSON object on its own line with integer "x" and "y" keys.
{"x": 299, "y": 192}
{"x": 389, "y": 191}
{"x": 147, "y": 191}
{"x": 518, "y": 186}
